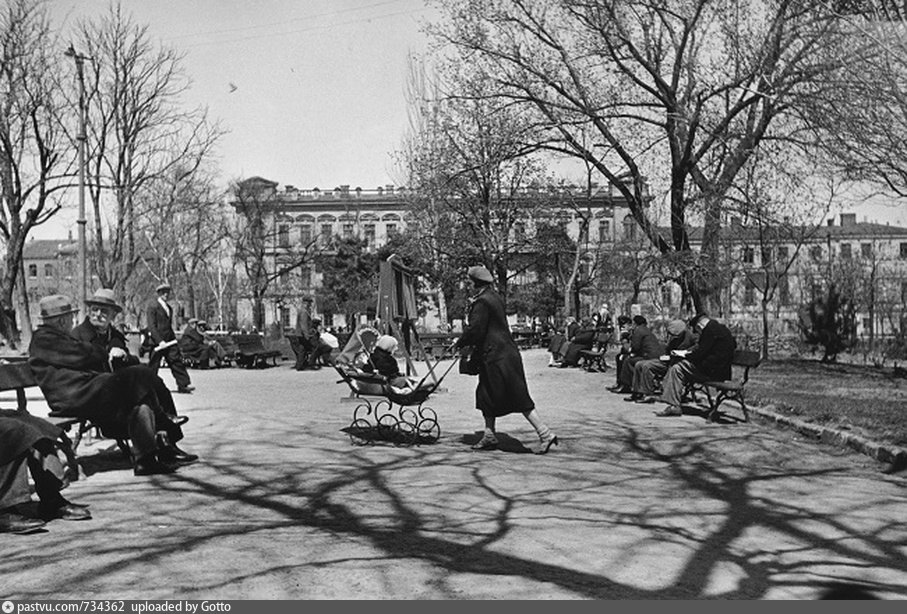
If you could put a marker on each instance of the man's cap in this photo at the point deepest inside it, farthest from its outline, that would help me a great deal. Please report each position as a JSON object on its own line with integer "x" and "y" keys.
{"x": 480, "y": 273}
{"x": 103, "y": 297}
{"x": 676, "y": 327}
{"x": 640, "y": 320}
{"x": 163, "y": 287}
{"x": 56, "y": 305}
{"x": 386, "y": 343}
{"x": 193, "y": 320}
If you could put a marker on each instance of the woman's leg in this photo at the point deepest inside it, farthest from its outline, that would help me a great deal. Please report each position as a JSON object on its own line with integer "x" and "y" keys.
{"x": 546, "y": 437}
{"x": 489, "y": 439}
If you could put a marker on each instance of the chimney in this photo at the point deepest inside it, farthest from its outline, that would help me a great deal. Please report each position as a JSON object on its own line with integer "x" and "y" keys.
{"x": 848, "y": 219}
{"x": 289, "y": 188}
{"x": 389, "y": 188}
{"x": 345, "y": 189}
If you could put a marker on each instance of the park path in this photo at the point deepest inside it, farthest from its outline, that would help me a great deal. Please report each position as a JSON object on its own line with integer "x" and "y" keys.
{"x": 629, "y": 506}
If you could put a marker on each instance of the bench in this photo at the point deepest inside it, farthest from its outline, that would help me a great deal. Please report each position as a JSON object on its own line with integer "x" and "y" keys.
{"x": 593, "y": 360}
{"x": 251, "y": 352}
{"x": 733, "y": 389}
{"x": 19, "y": 377}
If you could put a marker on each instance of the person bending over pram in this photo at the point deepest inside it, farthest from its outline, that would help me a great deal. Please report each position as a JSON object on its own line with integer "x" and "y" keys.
{"x": 382, "y": 361}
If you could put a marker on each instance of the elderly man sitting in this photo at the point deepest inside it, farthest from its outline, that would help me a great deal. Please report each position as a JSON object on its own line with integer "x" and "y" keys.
{"x": 77, "y": 380}
{"x": 197, "y": 348}
{"x": 30, "y": 441}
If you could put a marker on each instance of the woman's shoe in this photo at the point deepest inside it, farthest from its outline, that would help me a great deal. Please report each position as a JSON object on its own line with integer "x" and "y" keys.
{"x": 547, "y": 443}
{"x": 485, "y": 443}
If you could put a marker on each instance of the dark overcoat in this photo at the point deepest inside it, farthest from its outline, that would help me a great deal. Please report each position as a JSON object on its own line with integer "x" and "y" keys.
{"x": 20, "y": 431}
{"x": 502, "y": 385}
{"x": 73, "y": 376}
{"x": 160, "y": 323}
{"x": 644, "y": 343}
{"x": 714, "y": 351}
{"x": 113, "y": 338}
{"x": 194, "y": 345}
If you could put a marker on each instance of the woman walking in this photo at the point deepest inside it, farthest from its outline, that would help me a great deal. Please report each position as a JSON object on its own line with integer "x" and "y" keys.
{"x": 496, "y": 359}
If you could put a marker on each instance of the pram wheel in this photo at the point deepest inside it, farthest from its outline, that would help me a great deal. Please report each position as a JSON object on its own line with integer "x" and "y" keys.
{"x": 361, "y": 432}
{"x": 407, "y": 432}
{"x": 387, "y": 426}
{"x": 429, "y": 431}
{"x": 362, "y": 410}
{"x": 427, "y": 413}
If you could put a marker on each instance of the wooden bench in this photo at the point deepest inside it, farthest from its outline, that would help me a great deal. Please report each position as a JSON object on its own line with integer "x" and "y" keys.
{"x": 19, "y": 377}
{"x": 593, "y": 360}
{"x": 733, "y": 389}
{"x": 251, "y": 352}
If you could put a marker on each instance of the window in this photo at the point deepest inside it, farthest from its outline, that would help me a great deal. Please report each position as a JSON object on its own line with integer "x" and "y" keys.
{"x": 867, "y": 324}
{"x": 285, "y": 317}
{"x": 391, "y": 230}
{"x": 48, "y": 270}
{"x": 283, "y": 235}
{"x": 783, "y": 255}
{"x": 519, "y": 232}
{"x": 369, "y": 234}
{"x": 749, "y": 254}
{"x": 815, "y": 253}
{"x": 347, "y": 230}
{"x": 903, "y": 250}
{"x": 845, "y": 251}
{"x": 666, "y": 296}
{"x": 604, "y": 230}
{"x": 33, "y": 271}
{"x": 866, "y": 250}
{"x": 629, "y": 227}
{"x": 749, "y": 293}
{"x": 326, "y": 234}
{"x": 766, "y": 255}
{"x": 783, "y": 290}
{"x": 305, "y": 275}
{"x": 305, "y": 234}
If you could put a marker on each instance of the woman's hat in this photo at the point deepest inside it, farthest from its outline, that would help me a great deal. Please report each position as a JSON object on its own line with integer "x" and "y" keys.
{"x": 480, "y": 273}
{"x": 55, "y": 305}
{"x": 163, "y": 287}
{"x": 386, "y": 343}
{"x": 103, "y": 297}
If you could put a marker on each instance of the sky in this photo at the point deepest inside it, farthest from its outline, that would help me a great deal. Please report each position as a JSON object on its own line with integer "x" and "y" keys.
{"x": 311, "y": 91}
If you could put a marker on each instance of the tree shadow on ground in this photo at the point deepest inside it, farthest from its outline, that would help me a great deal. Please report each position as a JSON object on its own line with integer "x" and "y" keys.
{"x": 462, "y": 523}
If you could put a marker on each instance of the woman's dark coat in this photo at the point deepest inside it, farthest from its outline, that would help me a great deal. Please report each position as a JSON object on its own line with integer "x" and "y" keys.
{"x": 502, "y": 385}
{"x": 714, "y": 351}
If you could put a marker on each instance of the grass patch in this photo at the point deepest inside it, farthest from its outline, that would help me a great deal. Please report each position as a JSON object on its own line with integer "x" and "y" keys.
{"x": 867, "y": 400}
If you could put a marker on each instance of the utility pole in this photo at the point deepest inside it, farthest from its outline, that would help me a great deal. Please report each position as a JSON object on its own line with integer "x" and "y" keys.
{"x": 81, "y": 137}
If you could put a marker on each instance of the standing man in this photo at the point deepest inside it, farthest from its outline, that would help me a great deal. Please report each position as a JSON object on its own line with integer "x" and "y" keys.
{"x": 160, "y": 326}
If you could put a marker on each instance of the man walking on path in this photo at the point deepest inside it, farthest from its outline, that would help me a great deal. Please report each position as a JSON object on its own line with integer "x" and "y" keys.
{"x": 160, "y": 327}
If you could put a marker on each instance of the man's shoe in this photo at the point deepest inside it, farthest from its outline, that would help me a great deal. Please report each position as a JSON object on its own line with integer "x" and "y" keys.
{"x": 645, "y": 399}
{"x": 16, "y": 523}
{"x": 152, "y": 466}
{"x": 486, "y": 443}
{"x": 173, "y": 455}
{"x": 179, "y": 420}
{"x": 670, "y": 410}
{"x": 185, "y": 389}
{"x": 63, "y": 511}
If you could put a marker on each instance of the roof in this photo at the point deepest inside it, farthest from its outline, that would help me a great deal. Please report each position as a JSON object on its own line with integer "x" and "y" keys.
{"x": 855, "y": 231}
{"x": 48, "y": 249}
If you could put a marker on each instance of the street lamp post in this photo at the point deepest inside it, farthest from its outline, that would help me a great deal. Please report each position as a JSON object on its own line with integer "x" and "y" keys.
{"x": 81, "y": 137}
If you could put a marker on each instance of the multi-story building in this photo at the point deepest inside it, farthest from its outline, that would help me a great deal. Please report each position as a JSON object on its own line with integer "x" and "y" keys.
{"x": 50, "y": 267}
{"x": 298, "y": 217}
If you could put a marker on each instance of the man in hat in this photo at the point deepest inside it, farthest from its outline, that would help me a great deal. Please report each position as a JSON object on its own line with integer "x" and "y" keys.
{"x": 29, "y": 441}
{"x": 160, "y": 327}
{"x": 502, "y": 387}
{"x": 97, "y": 329}
{"x": 76, "y": 381}
{"x": 647, "y": 373}
{"x": 709, "y": 359}
{"x": 194, "y": 346}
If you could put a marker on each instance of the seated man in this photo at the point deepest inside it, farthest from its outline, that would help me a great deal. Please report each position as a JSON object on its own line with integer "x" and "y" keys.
{"x": 97, "y": 329}
{"x": 644, "y": 345}
{"x": 76, "y": 379}
{"x": 647, "y": 373}
{"x": 196, "y": 348}
{"x": 321, "y": 351}
{"x": 26, "y": 440}
{"x": 709, "y": 359}
{"x": 582, "y": 339}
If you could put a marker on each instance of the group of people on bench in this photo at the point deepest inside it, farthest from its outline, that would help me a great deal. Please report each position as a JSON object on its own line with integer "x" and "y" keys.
{"x": 84, "y": 372}
{"x": 700, "y": 351}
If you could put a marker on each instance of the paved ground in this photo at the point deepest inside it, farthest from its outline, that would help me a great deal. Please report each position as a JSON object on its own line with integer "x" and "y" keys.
{"x": 629, "y": 506}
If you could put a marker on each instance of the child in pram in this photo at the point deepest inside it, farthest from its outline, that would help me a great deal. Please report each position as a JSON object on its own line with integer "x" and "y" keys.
{"x": 382, "y": 361}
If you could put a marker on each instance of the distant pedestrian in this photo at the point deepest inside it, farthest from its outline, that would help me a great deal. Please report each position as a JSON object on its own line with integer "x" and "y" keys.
{"x": 160, "y": 327}
{"x": 502, "y": 387}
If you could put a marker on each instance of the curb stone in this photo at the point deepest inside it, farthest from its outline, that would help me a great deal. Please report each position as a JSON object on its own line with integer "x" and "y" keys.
{"x": 885, "y": 453}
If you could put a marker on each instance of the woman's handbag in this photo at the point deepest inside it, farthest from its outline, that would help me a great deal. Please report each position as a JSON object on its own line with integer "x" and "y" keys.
{"x": 469, "y": 361}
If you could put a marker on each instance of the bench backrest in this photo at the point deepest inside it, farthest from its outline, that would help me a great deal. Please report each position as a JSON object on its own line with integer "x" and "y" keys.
{"x": 249, "y": 343}
{"x": 746, "y": 358}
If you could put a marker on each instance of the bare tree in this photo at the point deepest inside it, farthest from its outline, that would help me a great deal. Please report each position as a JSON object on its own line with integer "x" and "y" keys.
{"x": 682, "y": 91}
{"x": 33, "y": 159}
{"x": 138, "y": 133}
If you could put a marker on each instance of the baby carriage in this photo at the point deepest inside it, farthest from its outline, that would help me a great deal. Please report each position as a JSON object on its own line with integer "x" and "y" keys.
{"x": 375, "y": 417}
